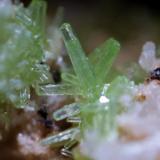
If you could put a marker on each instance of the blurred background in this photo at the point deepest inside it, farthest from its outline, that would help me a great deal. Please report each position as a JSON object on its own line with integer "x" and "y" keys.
{"x": 132, "y": 22}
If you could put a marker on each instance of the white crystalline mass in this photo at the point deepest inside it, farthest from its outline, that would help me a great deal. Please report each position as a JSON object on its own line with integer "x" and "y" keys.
{"x": 148, "y": 60}
{"x": 117, "y": 150}
{"x": 29, "y": 144}
{"x": 151, "y": 104}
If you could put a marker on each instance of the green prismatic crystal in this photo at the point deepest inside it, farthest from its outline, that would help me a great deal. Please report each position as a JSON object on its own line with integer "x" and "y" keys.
{"x": 80, "y": 62}
{"x": 60, "y": 138}
{"x": 103, "y": 58}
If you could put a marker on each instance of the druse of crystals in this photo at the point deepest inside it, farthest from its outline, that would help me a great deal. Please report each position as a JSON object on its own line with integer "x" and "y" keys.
{"x": 90, "y": 84}
{"x": 137, "y": 125}
{"x": 86, "y": 85}
{"x": 21, "y": 50}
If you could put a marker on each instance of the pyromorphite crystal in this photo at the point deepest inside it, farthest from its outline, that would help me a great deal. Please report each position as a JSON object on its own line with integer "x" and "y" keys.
{"x": 80, "y": 62}
{"x": 92, "y": 107}
{"x": 103, "y": 58}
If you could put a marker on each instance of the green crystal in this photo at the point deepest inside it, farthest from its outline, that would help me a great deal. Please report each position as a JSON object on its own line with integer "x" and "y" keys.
{"x": 66, "y": 111}
{"x": 60, "y": 138}
{"x": 103, "y": 58}
{"x": 81, "y": 64}
{"x": 52, "y": 89}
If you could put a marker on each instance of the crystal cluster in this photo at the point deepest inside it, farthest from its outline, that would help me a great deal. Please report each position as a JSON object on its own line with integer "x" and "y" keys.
{"x": 137, "y": 127}
{"x": 21, "y": 50}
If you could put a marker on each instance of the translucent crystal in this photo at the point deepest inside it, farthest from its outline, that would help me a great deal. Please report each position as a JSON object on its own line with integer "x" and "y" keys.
{"x": 93, "y": 116}
{"x": 61, "y": 137}
{"x": 66, "y": 153}
{"x": 52, "y": 89}
{"x": 74, "y": 119}
{"x": 103, "y": 57}
{"x": 66, "y": 150}
{"x": 70, "y": 79}
{"x": 66, "y": 111}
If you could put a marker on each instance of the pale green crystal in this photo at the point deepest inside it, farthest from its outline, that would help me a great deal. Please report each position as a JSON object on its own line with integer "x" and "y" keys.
{"x": 61, "y": 137}
{"x": 74, "y": 119}
{"x": 80, "y": 62}
{"x": 66, "y": 111}
{"x": 60, "y": 89}
{"x": 103, "y": 58}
